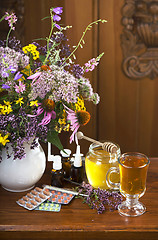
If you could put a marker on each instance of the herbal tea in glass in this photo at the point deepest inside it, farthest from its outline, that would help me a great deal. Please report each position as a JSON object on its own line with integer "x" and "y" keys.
{"x": 133, "y": 168}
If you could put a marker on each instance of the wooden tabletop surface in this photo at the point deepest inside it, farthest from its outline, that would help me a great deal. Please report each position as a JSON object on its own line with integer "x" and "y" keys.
{"x": 76, "y": 220}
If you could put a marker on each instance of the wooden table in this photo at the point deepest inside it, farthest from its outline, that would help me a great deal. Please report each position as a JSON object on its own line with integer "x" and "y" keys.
{"x": 76, "y": 220}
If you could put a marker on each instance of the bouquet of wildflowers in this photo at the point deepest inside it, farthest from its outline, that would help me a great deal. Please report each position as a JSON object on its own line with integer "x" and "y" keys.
{"x": 42, "y": 89}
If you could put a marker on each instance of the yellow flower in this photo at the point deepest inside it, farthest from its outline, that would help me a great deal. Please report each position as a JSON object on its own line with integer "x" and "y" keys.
{"x": 34, "y": 103}
{"x": 27, "y": 70}
{"x": 8, "y": 109}
{"x": 2, "y": 109}
{"x": 62, "y": 121}
{"x": 19, "y": 101}
{"x": 32, "y": 49}
{"x": 7, "y": 102}
{"x": 67, "y": 128}
{"x": 4, "y": 139}
{"x": 80, "y": 104}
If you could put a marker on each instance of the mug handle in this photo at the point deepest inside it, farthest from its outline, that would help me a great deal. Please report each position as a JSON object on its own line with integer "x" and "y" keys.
{"x": 112, "y": 185}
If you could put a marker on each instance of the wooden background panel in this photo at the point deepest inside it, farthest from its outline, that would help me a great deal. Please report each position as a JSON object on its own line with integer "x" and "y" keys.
{"x": 117, "y": 111}
{"x": 147, "y": 93}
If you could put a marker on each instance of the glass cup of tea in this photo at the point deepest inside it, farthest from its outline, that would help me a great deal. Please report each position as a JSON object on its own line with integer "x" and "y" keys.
{"x": 133, "y": 168}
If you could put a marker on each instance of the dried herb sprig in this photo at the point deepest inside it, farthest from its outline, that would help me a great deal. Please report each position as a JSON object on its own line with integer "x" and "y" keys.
{"x": 99, "y": 199}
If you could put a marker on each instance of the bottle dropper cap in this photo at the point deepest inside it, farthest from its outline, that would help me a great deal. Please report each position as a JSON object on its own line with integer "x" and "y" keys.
{"x": 65, "y": 152}
{"x": 78, "y": 159}
{"x": 57, "y": 165}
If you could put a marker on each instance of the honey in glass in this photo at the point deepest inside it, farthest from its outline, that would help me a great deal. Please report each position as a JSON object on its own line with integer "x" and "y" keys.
{"x": 98, "y": 162}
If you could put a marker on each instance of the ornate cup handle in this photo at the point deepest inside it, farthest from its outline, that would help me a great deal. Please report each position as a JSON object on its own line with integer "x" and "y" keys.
{"x": 112, "y": 185}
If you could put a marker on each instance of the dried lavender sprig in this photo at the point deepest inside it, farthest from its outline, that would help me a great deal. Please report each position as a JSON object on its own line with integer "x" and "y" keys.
{"x": 99, "y": 199}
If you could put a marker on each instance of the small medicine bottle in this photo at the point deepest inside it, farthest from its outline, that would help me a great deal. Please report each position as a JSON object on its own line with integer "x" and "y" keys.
{"x": 66, "y": 162}
{"x": 57, "y": 172}
{"x": 77, "y": 170}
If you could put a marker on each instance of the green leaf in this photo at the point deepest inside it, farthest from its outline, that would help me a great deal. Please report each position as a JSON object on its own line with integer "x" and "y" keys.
{"x": 42, "y": 58}
{"x": 53, "y": 138}
{"x": 45, "y": 18}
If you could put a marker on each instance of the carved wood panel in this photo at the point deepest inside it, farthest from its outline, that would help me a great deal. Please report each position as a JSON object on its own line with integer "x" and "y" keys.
{"x": 139, "y": 39}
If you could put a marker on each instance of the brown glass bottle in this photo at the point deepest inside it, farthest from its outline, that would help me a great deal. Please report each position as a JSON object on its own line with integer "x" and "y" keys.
{"x": 57, "y": 172}
{"x": 66, "y": 162}
{"x": 57, "y": 178}
{"x": 77, "y": 170}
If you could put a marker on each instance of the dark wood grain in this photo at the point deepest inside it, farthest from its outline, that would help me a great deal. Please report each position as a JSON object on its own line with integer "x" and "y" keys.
{"x": 76, "y": 220}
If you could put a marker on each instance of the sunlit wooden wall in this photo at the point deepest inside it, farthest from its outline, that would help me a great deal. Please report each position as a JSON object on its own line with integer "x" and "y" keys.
{"x": 127, "y": 113}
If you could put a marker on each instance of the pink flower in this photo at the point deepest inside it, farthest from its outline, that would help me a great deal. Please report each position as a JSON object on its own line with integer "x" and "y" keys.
{"x": 11, "y": 18}
{"x": 76, "y": 120}
{"x": 34, "y": 77}
{"x": 91, "y": 65}
{"x": 49, "y": 113}
{"x": 20, "y": 88}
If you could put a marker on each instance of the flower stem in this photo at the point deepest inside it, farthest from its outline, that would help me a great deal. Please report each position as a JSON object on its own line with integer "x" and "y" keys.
{"x": 8, "y": 37}
{"x": 81, "y": 39}
{"x": 48, "y": 39}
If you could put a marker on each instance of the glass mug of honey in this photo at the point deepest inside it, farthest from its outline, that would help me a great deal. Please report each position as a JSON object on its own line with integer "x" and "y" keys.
{"x": 133, "y": 168}
{"x": 97, "y": 163}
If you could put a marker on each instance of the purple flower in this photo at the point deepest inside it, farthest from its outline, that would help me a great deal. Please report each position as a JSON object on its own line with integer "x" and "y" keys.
{"x": 17, "y": 76}
{"x": 58, "y": 10}
{"x": 4, "y": 74}
{"x": 5, "y": 86}
{"x": 77, "y": 70}
{"x": 56, "y": 18}
{"x": 12, "y": 69}
{"x": 57, "y": 26}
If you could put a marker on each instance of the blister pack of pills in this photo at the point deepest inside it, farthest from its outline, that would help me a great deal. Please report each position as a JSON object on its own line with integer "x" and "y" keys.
{"x": 60, "y": 197}
{"x": 48, "y": 206}
{"x": 34, "y": 198}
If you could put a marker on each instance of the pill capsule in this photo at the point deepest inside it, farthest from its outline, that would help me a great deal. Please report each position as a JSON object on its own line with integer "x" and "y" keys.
{"x": 42, "y": 196}
{"x": 29, "y": 195}
{"x": 46, "y": 193}
{"x": 38, "y": 199}
{"x": 38, "y": 189}
{"x": 29, "y": 205}
{"x": 33, "y": 202}
{"x": 21, "y": 202}
{"x": 34, "y": 192}
{"x": 26, "y": 198}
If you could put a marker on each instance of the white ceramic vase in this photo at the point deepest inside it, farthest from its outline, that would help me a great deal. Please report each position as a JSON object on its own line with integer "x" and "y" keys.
{"x": 21, "y": 175}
